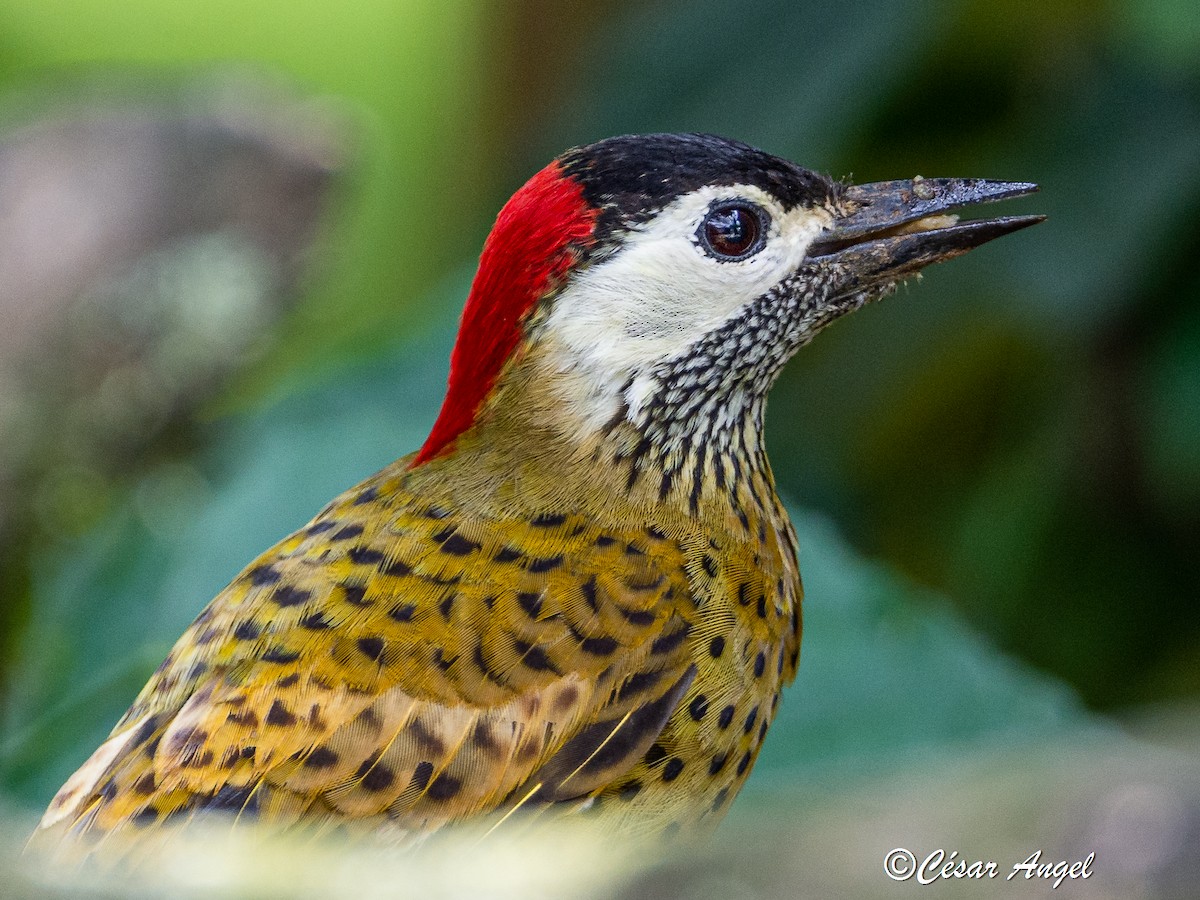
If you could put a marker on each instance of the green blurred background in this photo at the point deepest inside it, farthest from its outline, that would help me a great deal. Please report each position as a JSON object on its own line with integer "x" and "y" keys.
{"x": 269, "y": 213}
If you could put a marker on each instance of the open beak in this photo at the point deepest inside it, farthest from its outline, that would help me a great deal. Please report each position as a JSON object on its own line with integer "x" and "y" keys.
{"x": 893, "y": 229}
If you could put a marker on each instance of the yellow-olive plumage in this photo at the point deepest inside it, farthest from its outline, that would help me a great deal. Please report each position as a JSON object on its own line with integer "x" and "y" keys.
{"x": 582, "y": 595}
{"x": 414, "y": 656}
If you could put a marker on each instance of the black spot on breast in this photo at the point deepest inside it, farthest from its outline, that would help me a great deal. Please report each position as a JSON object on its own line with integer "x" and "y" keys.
{"x": 421, "y": 775}
{"x": 321, "y": 527}
{"x": 750, "y": 719}
{"x": 280, "y": 655}
{"x": 365, "y": 556}
{"x": 507, "y": 555}
{"x": 425, "y": 738}
{"x": 726, "y": 716}
{"x": 321, "y": 758}
{"x": 665, "y": 482}
{"x": 443, "y": 788}
{"x": 315, "y": 720}
{"x": 760, "y": 664}
{"x": 601, "y": 646}
{"x": 403, "y": 612}
{"x": 531, "y": 603}
{"x": 247, "y": 631}
{"x": 446, "y": 606}
{"x": 589, "y": 593}
{"x": 286, "y": 595}
{"x": 287, "y": 681}
{"x": 280, "y": 715}
{"x": 315, "y": 621}
{"x": 374, "y": 777}
{"x": 567, "y": 698}
{"x": 716, "y": 647}
{"x": 245, "y": 718}
{"x": 655, "y": 754}
{"x": 144, "y": 817}
{"x": 698, "y": 707}
{"x": 546, "y": 564}
{"x": 264, "y": 574}
{"x": 719, "y": 800}
{"x": 639, "y": 682}
{"x": 548, "y": 520}
{"x": 366, "y": 496}
{"x": 744, "y": 763}
{"x": 233, "y": 799}
{"x": 604, "y": 540}
{"x": 344, "y": 534}
{"x": 368, "y": 720}
{"x": 534, "y": 657}
{"x": 398, "y": 568}
{"x": 710, "y": 565}
{"x": 669, "y": 642}
{"x": 454, "y": 544}
{"x": 718, "y": 763}
{"x": 630, "y": 789}
{"x": 487, "y": 670}
{"x": 640, "y": 617}
{"x": 230, "y": 758}
{"x": 355, "y": 594}
{"x": 762, "y": 606}
{"x": 672, "y": 769}
{"x": 483, "y": 738}
{"x": 371, "y": 647}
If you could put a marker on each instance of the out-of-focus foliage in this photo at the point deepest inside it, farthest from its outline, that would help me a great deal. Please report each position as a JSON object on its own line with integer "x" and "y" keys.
{"x": 406, "y": 75}
{"x": 1020, "y": 431}
{"x": 150, "y": 245}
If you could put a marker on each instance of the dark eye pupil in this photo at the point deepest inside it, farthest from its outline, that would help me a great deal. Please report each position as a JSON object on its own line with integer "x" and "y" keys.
{"x": 731, "y": 231}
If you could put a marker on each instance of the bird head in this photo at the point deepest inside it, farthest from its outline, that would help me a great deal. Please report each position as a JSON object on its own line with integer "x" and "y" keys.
{"x": 662, "y": 281}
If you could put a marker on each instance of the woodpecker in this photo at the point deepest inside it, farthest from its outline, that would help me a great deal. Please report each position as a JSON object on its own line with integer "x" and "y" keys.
{"x": 581, "y": 594}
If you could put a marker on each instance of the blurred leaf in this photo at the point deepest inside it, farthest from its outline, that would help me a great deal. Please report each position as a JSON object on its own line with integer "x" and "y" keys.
{"x": 1168, "y": 31}
{"x": 796, "y": 79}
{"x": 408, "y": 76}
{"x": 1171, "y": 384}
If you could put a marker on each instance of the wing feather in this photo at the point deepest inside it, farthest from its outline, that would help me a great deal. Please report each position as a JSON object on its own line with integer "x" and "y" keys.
{"x": 418, "y": 671}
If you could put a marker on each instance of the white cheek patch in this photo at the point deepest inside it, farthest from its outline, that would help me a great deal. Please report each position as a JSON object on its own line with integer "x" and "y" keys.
{"x": 661, "y": 292}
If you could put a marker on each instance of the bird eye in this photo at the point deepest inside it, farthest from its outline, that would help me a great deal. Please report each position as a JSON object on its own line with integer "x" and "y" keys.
{"x": 732, "y": 230}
